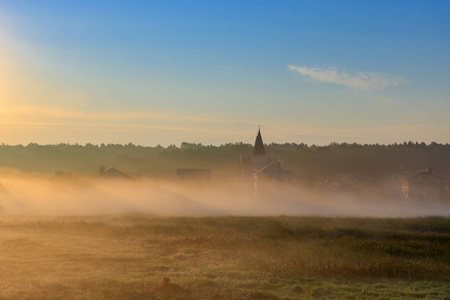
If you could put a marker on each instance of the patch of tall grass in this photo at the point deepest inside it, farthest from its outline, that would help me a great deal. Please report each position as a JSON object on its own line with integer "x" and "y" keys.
{"x": 137, "y": 256}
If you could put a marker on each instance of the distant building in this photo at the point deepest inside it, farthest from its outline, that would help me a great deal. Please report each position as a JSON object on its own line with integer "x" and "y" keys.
{"x": 111, "y": 173}
{"x": 333, "y": 185}
{"x": 422, "y": 185}
{"x": 274, "y": 172}
{"x": 267, "y": 172}
{"x": 257, "y": 160}
{"x": 338, "y": 183}
{"x": 200, "y": 174}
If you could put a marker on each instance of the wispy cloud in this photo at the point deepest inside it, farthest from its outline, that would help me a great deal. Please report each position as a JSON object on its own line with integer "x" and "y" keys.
{"x": 358, "y": 81}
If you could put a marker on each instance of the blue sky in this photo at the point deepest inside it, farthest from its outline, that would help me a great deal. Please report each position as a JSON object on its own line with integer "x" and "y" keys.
{"x": 163, "y": 72}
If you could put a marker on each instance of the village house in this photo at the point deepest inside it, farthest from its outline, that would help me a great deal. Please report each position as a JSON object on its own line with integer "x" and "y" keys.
{"x": 111, "y": 173}
{"x": 422, "y": 185}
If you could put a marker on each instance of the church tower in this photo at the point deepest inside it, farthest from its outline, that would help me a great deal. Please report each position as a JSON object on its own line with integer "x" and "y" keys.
{"x": 257, "y": 160}
{"x": 258, "y": 156}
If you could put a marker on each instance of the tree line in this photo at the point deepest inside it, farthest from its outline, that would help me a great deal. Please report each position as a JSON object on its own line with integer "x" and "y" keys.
{"x": 309, "y": 161}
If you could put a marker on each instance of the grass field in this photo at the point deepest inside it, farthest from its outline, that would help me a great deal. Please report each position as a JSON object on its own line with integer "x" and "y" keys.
{"x": 137, "y": 256}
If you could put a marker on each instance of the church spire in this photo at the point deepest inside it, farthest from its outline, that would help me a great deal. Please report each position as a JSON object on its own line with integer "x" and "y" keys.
{"x": 258, "y": 149}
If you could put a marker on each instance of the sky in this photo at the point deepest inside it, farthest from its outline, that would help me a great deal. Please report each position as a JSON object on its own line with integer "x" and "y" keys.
{"x": 211, "y": 72}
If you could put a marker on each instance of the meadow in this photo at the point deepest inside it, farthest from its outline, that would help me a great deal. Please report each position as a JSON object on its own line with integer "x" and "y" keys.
{"x": 139, "y": 256}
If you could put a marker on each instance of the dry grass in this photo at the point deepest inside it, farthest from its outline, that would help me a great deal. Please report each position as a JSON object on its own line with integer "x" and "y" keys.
{"x": 143, "y": 257}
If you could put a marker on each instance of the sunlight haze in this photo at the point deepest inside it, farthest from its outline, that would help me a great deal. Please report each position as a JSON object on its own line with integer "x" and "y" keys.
{"x": 210, "y": 72}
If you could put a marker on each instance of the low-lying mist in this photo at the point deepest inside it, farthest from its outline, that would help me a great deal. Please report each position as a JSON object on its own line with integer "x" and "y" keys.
{"x": 23, "y": 193}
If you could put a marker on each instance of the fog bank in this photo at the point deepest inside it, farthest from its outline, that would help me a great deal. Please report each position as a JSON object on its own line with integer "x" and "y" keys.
{"x": 24, "y": 194}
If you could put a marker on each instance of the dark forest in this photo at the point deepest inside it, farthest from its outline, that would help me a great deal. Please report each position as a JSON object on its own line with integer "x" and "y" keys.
{"x": 310, "y": 162}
